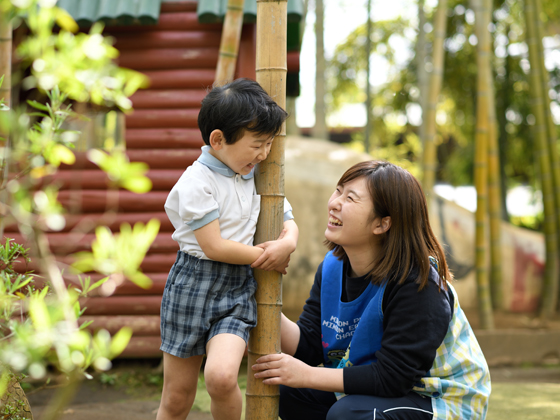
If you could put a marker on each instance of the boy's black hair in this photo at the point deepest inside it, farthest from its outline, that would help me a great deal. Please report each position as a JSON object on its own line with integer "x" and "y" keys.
{"x": 238, "y": 106}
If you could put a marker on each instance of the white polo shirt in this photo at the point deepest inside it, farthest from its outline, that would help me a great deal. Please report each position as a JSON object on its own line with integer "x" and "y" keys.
{"x": 210, "y": 190}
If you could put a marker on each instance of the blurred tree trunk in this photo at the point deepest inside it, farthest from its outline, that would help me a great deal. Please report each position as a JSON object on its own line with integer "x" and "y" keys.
{"x": 367, "y": 134}
{"x": 429, "y": 122}
{"x": 320, "y": 130}
{"x": 550, "y": 127}
{"x": 550, "y": 286}
{"x": 229, "y": 44}
{"x": 494, "y": 181}
{"x": 421, "y": 73}
{"x": 481, "y": 164}
{"x": 263, "y": 400}
{"x": 503, "y": 101}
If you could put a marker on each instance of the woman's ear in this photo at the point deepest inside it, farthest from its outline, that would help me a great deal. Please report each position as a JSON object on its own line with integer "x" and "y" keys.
{"x": 217, "y": 139}
{"x": 382, "y": 225}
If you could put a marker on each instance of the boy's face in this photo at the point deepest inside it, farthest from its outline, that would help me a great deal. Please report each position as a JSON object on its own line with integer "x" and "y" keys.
{"x": 243, "y": 155}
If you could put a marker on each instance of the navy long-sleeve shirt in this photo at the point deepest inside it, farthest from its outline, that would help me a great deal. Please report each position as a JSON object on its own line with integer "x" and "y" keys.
{"x": 414, "y": 325}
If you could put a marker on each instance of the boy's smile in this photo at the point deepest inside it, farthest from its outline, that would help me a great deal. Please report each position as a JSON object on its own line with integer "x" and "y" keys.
{"x": 241, "y": 156}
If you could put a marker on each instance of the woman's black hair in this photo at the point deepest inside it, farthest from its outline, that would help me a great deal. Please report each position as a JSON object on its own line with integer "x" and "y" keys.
{"x": 238, "y": 106}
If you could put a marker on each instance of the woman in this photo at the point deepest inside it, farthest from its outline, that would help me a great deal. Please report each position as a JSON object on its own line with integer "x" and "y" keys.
{"x": 381, "y": 318}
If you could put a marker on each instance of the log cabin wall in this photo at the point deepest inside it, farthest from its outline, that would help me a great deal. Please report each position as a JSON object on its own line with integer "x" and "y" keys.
{"x": 179, "y": 55}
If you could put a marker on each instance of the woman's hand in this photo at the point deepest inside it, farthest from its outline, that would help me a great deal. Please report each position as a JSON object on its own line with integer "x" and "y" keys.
{"x": 282, "y": 369}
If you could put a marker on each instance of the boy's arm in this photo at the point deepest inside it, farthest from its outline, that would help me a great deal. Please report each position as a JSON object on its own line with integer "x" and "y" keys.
{"x": 276, "y": 255}
{"x": 224, "y": 250}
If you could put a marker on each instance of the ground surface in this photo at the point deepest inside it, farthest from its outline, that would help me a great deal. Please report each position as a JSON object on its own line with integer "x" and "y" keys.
{"x": 132, "y": 389}
{"x": 520, "y": 393}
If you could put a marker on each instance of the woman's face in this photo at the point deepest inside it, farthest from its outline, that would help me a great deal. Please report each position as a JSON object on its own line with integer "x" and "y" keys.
{"x": 350, "y": 215}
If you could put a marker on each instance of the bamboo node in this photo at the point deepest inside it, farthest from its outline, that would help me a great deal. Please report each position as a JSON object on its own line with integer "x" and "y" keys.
{"x": 271, "y": 68}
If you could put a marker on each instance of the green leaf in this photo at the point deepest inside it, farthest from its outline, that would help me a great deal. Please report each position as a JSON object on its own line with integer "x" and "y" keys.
{"x": 38, "y": 105}
{"x": 65, "y": 21}
{"x": 120, "y": 341}
{"x": 138, "y": 184}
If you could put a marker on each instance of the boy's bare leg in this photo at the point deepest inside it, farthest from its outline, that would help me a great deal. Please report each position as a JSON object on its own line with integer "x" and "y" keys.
{"x": 223, "y": 357}
{"x": 180, "y": 377}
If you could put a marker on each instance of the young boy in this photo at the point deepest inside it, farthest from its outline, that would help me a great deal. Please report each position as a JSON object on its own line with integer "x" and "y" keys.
{"x": 208, "y": 305}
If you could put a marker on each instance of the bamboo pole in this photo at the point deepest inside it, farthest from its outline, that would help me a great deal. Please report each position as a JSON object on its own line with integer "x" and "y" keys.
{"x": 481, "y": 166}
{"x": 550, "y": 286}
{"x": 6, "y": 95}
{"x": 421, "y": 73}
{"x": 271, "y": 69}
{"x": 550, "y": 126}
{"x": 494, "y": 182}
{"x": 229, "y": 44}
{"x": 436, "y": 77}
{"x": 368, "y": 73}
{"x": 320, "y": 130}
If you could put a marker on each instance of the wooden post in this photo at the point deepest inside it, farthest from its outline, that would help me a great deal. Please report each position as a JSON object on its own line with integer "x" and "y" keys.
{"x": 271, "y": 68}
{"x": 229, "y": 44}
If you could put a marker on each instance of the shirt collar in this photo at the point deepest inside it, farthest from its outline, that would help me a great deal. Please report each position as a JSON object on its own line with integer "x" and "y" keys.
{"x": 218, "y": 166}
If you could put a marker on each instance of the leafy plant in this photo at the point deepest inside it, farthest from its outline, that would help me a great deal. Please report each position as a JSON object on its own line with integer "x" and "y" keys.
{"x": 39, "y": 312}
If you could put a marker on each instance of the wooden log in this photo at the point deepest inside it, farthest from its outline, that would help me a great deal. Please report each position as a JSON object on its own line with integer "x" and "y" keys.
{"x": 180, "y": 79}
{"x": 70, "y": 242}
{"x": 91, "y": 201}
{"x": 122, "y": 305}
{"x": 152, "y": 263}
{"x": 292, "y": 61}
{"x": 172, "y": 98}
{"x": 126, "y": 288}
{"x": 155, "y": 158}
{"x": 92, "y": 179}
{"x": 247, "y": 54}
{"x": 170, "y": 138}
{"x": 142, "y": 347}
{"x": 88, "y": 222}
{"x": 147, "y": 325}
{"x": 167, "y": 39}
{"x": 163, "y": 118}
{"x": 168, "y": 58}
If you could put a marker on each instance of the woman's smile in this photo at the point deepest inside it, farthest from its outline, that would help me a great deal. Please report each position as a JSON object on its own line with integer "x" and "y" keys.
{"x": 334, "y": 222}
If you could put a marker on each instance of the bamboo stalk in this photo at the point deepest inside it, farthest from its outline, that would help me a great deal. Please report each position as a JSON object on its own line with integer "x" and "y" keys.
{"x": 550, "y": 126}
{"x": 6, "y": 94}
{"x": 271, "y": 69}
{"x": 369, "y": 114}
{"x": 320, "y": 130}
{"x": 550, "y": 286}
{"x": 494, "y": 183}
{"x": 481, "y": 166}
{"x": 422, "y": 75}
{"x": 229, "y": 44}
{"x": 436, "y": 77}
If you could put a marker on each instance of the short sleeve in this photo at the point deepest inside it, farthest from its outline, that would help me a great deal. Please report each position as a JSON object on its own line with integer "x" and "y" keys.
{"x": 197, "y": 204}
{"x": 288, "y": 215}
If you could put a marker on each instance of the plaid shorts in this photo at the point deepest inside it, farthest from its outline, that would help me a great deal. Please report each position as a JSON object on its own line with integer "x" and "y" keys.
{"x": 203, "y": 298}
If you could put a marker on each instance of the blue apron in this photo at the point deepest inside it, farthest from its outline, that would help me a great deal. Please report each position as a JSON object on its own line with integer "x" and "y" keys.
{"x": 359, "y": 322}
